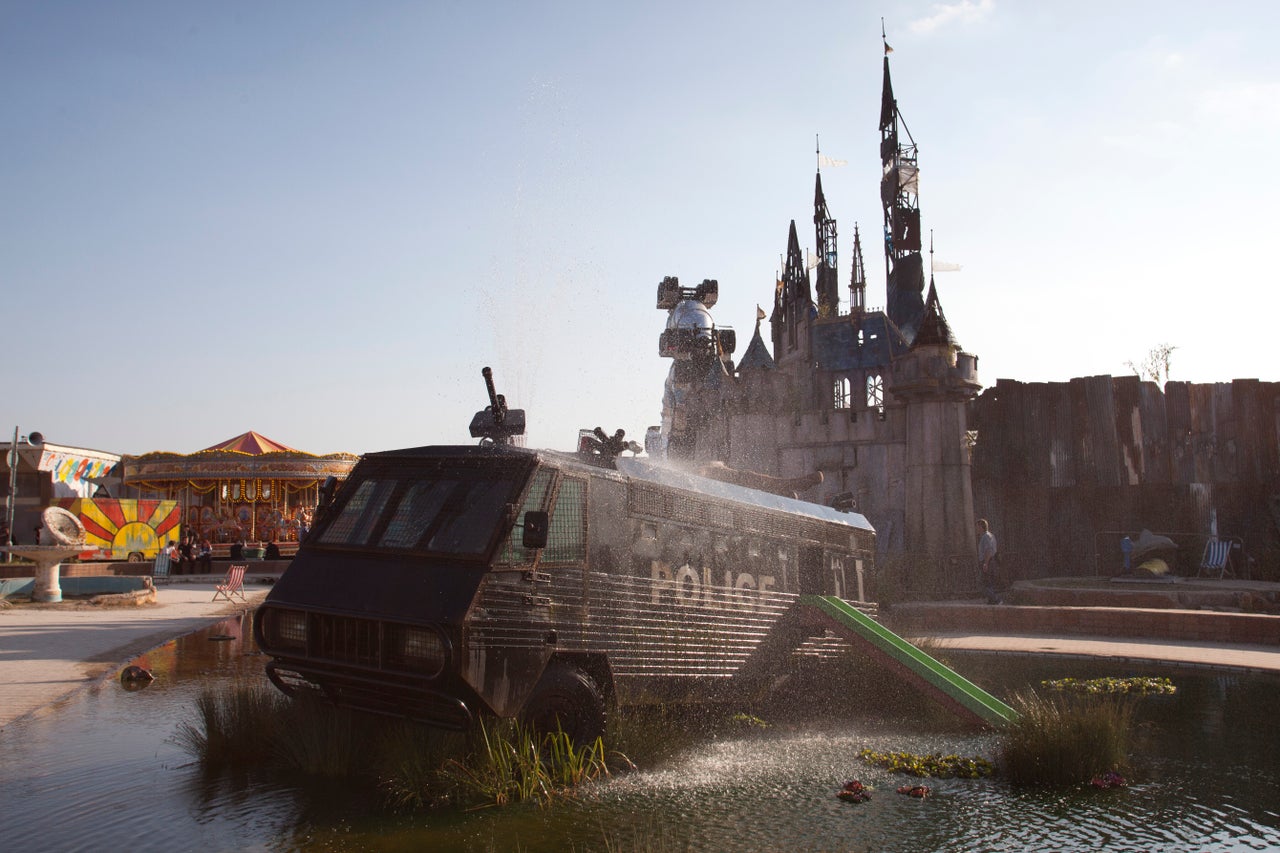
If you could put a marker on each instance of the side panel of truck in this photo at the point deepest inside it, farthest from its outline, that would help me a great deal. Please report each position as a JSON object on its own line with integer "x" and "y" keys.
{"x": 671, "y": 598}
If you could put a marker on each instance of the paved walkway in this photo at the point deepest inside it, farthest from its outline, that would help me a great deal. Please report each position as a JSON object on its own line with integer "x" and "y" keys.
{"x": 48, "y": 652}
{"x": 1251, "y": 658}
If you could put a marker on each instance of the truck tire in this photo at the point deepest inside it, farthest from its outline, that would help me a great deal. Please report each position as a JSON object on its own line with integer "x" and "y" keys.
{"x": 135, "y": 557}
{"x": 568, "y": 699}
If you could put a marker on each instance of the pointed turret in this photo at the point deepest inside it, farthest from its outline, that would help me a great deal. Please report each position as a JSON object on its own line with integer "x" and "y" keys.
{"x": 827, "y": 285}
{"x": 757, "y": 355}
{"x": 793, "y": 303}
{"x": 934, "y": 329}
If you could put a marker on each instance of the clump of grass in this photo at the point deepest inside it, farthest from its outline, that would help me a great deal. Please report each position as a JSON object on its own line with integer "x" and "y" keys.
{"x": 646, "y": 839}
{"x": 233, "y": 729}
{"x": 934, "y": 764}
{"x": 1067, "y": 739}
{"x": 317, "y": 740}
{"x": 1140, "y": 685}
{"x": 512, "y": 763}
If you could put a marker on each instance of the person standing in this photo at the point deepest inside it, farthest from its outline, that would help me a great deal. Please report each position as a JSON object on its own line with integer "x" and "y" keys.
{"x": 987, "y": 561}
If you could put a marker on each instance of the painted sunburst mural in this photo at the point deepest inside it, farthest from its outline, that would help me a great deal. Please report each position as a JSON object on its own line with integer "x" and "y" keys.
{"x": 126, "y": 527}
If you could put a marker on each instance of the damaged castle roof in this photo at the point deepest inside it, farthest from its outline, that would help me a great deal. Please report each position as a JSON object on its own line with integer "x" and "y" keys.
{"x": 857, "y": 342}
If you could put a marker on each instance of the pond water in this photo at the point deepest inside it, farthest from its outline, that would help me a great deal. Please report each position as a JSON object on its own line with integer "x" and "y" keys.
{"x": 102, "y": 771}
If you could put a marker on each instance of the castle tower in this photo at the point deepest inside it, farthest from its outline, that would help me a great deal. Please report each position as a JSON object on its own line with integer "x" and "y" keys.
{"x": 827, "y": 286}
{"x": 935, "y": 380}
{"x": 793, "y": 307}
{"x": 903, "y": 268}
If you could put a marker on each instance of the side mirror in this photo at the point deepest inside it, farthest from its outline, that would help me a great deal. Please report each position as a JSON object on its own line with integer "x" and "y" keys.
{"x": 536, "y": 524}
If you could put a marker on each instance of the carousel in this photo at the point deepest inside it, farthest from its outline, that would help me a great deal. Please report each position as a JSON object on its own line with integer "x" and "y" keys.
{"x": 248, "y": 488}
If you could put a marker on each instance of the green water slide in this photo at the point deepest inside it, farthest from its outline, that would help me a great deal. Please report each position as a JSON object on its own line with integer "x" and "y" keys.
{"x": 947, "y": 685}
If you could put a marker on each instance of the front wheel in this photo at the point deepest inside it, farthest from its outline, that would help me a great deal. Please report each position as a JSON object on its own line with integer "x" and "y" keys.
{"x": 568, "y": 699}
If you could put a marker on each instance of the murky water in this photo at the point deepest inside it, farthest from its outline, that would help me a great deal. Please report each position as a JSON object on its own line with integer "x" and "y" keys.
{"x": 103, "y": 772}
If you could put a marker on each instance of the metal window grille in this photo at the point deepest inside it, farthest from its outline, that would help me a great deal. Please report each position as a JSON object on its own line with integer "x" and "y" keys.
{"x": 566, "y": 540}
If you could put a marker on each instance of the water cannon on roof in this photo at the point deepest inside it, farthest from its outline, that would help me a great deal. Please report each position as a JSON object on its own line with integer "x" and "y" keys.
{"x": 670, "y": 293}
{"x": 496, "y": 423}
{"x": 690, "y": 331}
{"x": 596, "y": 442}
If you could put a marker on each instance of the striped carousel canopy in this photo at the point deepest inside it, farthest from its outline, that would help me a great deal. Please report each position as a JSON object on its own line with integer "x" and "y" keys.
{"x": 252, "y": 443}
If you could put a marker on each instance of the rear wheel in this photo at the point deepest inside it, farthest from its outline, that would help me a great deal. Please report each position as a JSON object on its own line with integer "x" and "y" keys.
{"x": 567, "y": 699}
{"x": 135, "y": 557}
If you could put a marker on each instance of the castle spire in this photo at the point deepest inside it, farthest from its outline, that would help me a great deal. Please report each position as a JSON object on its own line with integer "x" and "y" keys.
{"x": 827, "y": 285}
{"x": 793, "y": 301}
{"x": 904, "y": 270}
{"x": 858, "y": 278}
{"x": 934, "y": 329}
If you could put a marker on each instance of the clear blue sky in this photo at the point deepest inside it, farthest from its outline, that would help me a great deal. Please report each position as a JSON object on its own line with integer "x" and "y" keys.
{"x": 319, "y": 220}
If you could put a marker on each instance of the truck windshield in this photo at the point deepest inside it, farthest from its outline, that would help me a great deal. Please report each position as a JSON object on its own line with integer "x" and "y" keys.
{"x": 441, "y": 512}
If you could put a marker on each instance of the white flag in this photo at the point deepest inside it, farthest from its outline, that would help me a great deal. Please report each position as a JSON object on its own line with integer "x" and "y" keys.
{"x": 824, "y": 160}
{"x": 811, "y": 260}
{"x": 945, "y": 266}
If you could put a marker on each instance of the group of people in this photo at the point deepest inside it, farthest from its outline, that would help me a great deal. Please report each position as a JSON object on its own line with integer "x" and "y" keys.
{"x": 272, "y": 551}
{"x": 187, "y": 556}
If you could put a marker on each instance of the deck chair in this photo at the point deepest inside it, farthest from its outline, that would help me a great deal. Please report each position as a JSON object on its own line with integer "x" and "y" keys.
{"x": 1216, "y": 559}
{"x": 160, "y": 571}
{"x": 233, "y": 585}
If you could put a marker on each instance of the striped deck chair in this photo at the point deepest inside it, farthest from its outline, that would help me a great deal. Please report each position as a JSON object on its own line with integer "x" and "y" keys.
{"x": 233, "y": 585}
{"x": 1216, "y": 559}
{"x": 160, "y": 571}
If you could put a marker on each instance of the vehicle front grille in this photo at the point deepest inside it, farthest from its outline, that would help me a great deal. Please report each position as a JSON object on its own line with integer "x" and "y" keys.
{"x": 346, "y": 640}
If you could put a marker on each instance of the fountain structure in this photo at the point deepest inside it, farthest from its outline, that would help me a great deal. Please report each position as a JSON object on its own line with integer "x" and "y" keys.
{"x": 68, "y": 540}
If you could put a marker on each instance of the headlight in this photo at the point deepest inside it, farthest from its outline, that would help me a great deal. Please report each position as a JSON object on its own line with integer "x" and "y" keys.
{"x": 420, "y": 649}
{"x": 288, "y": 628}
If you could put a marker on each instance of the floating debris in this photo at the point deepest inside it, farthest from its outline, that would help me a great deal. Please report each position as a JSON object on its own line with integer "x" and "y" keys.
{"x": 134, "y": 677}
{"x": 1110, "y": 779}
{"x": 920, "y": 791}
{"x": 933, "y": 764}
{"x": 854, "y": 792}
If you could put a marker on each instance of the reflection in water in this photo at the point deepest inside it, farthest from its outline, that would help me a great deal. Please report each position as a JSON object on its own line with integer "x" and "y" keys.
{"x": 107, "y": 766}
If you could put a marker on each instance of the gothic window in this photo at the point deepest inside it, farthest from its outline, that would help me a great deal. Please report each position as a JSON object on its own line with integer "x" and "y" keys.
{"x": 841, "y": 393}
{"x": 875, "y": 391}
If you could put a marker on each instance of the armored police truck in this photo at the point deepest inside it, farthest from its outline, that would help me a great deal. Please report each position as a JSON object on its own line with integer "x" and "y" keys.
{"x": 447, "y": 583}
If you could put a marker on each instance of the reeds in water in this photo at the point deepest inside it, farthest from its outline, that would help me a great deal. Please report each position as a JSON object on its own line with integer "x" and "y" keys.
{"x": 514, "y": 763}
{"x": 414, "y": 766}
{"x": 235, "y": 728}
{"x": 1064, "y": 739}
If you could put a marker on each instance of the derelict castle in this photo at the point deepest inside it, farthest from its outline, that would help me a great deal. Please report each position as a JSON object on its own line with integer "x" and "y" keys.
{"x": 886, "y": 404}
